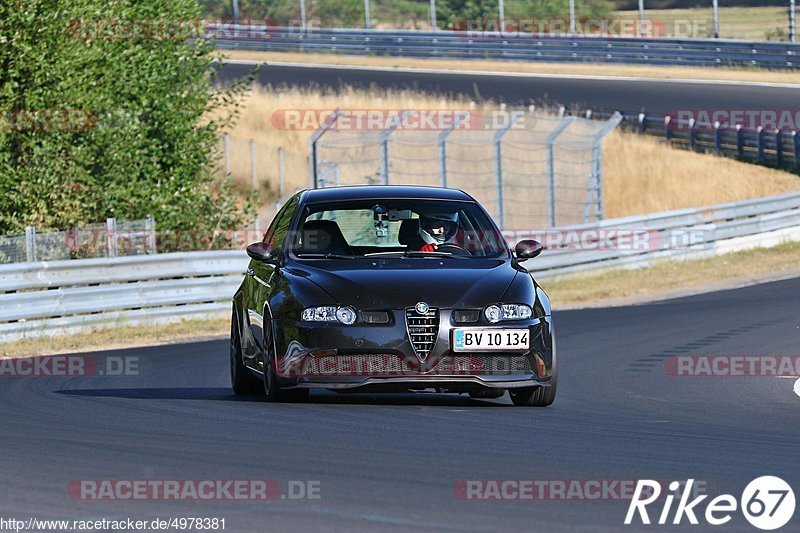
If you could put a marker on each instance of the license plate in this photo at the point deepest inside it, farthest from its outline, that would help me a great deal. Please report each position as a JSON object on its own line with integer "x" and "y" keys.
{"x": 470, "y": 340}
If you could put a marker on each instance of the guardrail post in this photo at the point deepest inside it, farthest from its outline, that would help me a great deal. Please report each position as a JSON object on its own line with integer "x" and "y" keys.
{"x": 551, "y": 171}
{"x": 692, "y": 134}
{"x": 150, "y": 228}
{"x": 642, "y": 122}
{"x": 313, "y": 161}
{"x": 779, "y": 148}
{"x": 761, "y": 134}
{"x": 111, "y": 232}
{"x": 668, "y": 128}
{"x": 796, "y": 142}
{"x": 717, "y": 138}
{"x": 30, "y": 244}
{"x": 498, "y": 167}
{"x": 739, "y": 141}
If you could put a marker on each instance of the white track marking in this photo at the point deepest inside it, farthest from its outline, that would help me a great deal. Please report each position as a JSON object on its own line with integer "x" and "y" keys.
{"x": 515, "y": 74}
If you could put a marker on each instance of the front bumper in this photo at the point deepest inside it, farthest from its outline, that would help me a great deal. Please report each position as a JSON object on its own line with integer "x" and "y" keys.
{"x": 381, "y": 357}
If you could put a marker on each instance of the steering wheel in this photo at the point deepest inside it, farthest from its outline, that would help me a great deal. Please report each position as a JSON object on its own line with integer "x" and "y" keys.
{"x": 456, "y": 248}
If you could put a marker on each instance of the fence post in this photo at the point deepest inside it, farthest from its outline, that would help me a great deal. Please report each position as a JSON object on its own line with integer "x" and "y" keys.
{"x": 668, "y": 128}
{"x": 254, "y": 178}
{"x": 312, "y": 146}
{"x": 281, "y": 174}
{"x": 226, "y": 147}
{"x": 692, "y": 134}
{"x": 30, "y": 244}
{"x": 642, "y": 122}
{"x": 498, "y": 166}
{"x": 739, "y": 141}
{"x": 779, "y": 148}
{"x": 111, "y": 232}
{"x": 551, "y": 172}
{"x": 150, "y": 228}
{"x": 761, "y": 133}
{"x": 717, "y": 138}
{"x": 443, "y": 150}
{"x": 597, "y": 157}
{"x": 385, "y": 134}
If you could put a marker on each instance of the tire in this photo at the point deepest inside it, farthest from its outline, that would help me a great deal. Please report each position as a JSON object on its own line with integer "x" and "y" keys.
{"x": 242, "y": 382}
{"x": 487, "y": 394}
{"x": 538, "y": 396}
{"x": 273, "y": 391}
{"x": 534, "y": 396}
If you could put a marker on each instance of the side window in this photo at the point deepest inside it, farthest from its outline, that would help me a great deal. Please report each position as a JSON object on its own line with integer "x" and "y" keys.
{"x": 279, "y": 229}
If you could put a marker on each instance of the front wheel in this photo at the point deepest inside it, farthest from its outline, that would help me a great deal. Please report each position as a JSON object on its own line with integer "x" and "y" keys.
{"x": 241, "y": 381}
{"x": 534, "y": 396}
{"x": 273, "y": 391}
{"x": 538, "y": 396}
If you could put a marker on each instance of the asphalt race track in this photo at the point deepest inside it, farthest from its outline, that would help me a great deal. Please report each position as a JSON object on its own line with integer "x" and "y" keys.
{"x": 390, "y": 462}
{"x": 598, "y": 94}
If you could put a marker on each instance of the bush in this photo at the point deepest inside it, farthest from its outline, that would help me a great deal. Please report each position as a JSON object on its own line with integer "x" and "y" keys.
{"x": 105, "y": 120}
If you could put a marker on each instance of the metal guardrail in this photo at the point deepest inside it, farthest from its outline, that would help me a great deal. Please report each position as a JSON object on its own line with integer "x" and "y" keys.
{"x": 60, "y": 297}
{"x": 769, "y": 147}
{"x": 455, "y": 44}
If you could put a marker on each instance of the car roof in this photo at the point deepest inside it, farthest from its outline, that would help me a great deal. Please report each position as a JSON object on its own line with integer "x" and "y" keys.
{"x": 378, "y": 192}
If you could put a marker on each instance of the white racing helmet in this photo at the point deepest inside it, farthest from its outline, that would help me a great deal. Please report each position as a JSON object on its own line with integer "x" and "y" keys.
{"x": 429, "y": 225}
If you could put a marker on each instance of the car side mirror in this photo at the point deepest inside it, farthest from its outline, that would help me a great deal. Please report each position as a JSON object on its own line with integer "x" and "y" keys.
{"x": 261, "y": 251}
{"x": 528, "y": 249}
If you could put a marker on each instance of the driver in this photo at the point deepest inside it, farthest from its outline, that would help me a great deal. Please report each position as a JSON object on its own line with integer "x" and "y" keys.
{"x": 437, "y": 229}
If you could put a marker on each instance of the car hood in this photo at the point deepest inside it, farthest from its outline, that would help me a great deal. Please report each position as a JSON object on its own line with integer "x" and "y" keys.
{"x": 402, "y": 283}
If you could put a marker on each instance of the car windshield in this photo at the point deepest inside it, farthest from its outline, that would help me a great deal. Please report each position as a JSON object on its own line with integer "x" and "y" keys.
{"x": 397, "y": 227}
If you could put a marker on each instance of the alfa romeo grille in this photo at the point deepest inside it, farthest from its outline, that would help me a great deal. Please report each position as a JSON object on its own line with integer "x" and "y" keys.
{"x": 422, "y": 331}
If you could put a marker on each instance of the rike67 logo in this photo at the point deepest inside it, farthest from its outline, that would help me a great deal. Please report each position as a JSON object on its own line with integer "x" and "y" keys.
{"x": 767, "y": 503}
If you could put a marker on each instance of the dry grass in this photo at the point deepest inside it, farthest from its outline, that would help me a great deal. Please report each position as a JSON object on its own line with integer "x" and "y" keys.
{"x": 641, "y": 174}
{"x": 663, "y": 279}
{"x": 118, "y": 337}
{"x": 570, "y": 69}
{"x": 751, "y": 23}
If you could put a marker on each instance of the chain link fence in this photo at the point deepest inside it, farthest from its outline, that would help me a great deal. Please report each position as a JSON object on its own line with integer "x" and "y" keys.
{"x": 528, "y": 170}
{"x": 115, "y": 238}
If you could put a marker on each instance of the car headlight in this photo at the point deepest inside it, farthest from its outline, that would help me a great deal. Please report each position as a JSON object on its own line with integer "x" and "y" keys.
{"x": 496, "y": 313}
{"x": 329, "y": 313}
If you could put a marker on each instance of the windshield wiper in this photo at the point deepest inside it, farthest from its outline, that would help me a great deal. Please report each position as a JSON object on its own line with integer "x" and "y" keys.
{"x": 412, "y": 253}
{"x": 324, "y": 256}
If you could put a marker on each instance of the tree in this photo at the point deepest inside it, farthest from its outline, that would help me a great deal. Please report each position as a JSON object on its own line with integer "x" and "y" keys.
{"x": 104, "y": 106}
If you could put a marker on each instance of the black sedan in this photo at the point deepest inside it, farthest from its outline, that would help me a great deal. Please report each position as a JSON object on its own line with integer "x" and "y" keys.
{"x": 383, "y": 288}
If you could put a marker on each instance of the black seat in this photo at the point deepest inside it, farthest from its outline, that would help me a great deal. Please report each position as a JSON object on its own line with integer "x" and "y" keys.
{"x": 323, "y": 237}
{"x": 409, "y": 234}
